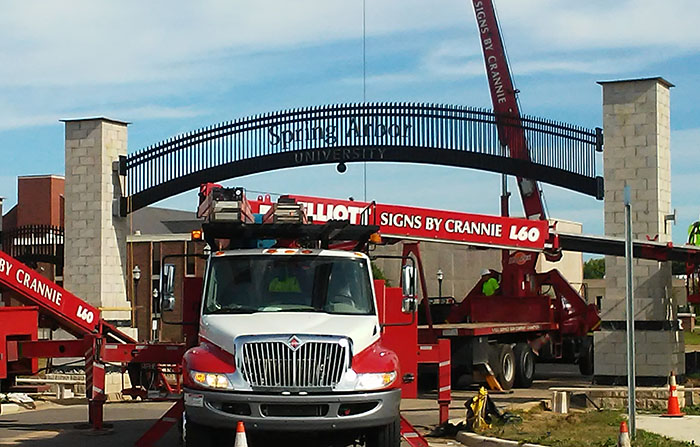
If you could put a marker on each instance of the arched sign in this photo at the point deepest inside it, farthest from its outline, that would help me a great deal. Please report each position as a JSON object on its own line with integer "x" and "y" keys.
{"x": 561, "y": 154}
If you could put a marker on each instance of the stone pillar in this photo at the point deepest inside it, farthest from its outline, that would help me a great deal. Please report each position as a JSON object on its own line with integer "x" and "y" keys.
{"x": 95, "y": 237}
{"x": 636, "y": 120}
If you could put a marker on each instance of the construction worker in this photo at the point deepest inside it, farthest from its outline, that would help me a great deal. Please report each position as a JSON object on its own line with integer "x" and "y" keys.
{"x": 490, "y": 284}
{"x": 285, "y": 281}
{"x": 694, "y": 233}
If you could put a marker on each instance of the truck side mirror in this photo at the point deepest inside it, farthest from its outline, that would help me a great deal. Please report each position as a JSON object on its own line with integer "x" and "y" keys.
{"x": 167, "y": 288}
{"x": 409, "y": 304}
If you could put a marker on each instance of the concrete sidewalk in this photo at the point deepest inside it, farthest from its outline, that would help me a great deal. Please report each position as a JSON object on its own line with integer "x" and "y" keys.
{"x": 686, "y": 428}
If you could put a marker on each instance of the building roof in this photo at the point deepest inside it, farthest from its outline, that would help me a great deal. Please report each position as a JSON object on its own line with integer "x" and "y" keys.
{"x": 658, "y": 79}
{"x": 95, "y": 118}
{"x": 58, "y": 176}
{"x": 160, "y": 221}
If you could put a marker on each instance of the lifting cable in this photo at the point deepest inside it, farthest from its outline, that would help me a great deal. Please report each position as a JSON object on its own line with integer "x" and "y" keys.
{"x": 364, "y": 84}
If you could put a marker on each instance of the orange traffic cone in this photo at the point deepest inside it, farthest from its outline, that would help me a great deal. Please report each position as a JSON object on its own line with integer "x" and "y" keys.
{"x": 241, "y": 440}
{"x": 623, "y": 439}
{"x": 674, "y": 410}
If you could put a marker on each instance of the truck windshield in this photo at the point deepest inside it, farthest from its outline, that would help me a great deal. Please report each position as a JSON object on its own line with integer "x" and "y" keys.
{"x": 288, "y": 283}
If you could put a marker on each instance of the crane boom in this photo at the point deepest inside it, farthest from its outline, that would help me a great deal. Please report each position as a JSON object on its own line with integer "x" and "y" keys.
{"x": 505, "y": 103}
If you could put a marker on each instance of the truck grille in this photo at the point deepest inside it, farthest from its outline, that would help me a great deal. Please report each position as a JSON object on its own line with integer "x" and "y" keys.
{"x": 276, "y": 364}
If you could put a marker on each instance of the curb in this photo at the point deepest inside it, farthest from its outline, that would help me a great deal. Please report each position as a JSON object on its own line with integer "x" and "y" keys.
{"x": 13, "y": 408}
{"x": 10, "y": 408}
{"x": 472, "y": 439}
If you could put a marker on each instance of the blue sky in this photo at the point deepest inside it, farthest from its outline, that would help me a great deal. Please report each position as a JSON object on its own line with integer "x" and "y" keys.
{"x": 171, "y": 67}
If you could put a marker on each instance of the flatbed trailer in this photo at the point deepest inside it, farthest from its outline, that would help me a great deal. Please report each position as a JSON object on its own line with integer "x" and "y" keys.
{"x": 485, "y": 328}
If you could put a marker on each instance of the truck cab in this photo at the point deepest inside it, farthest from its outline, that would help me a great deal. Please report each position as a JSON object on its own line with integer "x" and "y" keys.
{"x": 289, "y": 340}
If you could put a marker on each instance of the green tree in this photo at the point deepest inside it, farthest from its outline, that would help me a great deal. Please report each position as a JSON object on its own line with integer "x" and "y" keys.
{"x": 378, "y": 273}
{"x": 594, "y": 268}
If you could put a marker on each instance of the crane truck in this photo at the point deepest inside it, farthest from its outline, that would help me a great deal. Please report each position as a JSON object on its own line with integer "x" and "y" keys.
{"x": 520, "y": 284}
{"x": 499, "y": 336}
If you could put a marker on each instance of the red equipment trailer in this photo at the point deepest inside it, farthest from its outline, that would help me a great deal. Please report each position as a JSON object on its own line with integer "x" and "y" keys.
{"x": 97, "y": 341}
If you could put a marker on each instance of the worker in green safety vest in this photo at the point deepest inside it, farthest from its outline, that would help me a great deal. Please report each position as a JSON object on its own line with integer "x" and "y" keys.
{"x": 694, "y": 233}
{"x": 287, "y": 283}
{"x": 490, "y": 284}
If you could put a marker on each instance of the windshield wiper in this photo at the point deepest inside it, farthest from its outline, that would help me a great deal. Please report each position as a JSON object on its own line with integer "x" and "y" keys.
{"x": 301, "y": 309}
{"x": 234, "y": 310}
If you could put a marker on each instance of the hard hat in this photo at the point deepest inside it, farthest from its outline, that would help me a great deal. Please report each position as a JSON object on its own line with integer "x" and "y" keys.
{"x": 485, "y": 272}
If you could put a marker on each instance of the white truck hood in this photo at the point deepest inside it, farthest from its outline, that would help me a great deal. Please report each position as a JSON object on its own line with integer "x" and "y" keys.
{"x": 221, "y": 330}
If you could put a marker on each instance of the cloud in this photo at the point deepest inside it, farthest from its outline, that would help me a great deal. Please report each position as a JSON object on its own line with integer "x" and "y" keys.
{"x": 100, "y": 42}
{"x": 13, "y": 120}
{"x": 95, "y": 42}
{"x": 84, "y": 54}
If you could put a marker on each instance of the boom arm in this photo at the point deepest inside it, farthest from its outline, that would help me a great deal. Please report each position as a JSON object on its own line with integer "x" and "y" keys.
{"x": 505, "y": 103}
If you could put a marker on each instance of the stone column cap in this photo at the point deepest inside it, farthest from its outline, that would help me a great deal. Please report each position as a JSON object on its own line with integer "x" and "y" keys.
{"x": 96, "y": 118}
{"x": 658, "y": 79}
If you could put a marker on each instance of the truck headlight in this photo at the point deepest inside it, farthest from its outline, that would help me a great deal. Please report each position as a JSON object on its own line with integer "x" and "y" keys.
{"x": 210, "y": 380}
{"x": 375, "y": 381}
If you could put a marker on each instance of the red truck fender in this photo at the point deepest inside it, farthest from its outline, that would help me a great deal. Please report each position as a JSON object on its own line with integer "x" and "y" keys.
{"x": 376, "y": 359}
{"x": 206, "y": 357}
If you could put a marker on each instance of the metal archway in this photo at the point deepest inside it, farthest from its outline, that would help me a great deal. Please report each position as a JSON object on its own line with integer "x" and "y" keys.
{"x": 561, "y": 154}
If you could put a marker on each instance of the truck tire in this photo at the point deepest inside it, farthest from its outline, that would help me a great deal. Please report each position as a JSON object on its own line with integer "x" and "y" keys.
{"x": 585, "y": 357}
{"x": 386, "y": 436}
{"x": 506, "y": 367}
{"x": 198, "y": 435}
{"x": 524, "y": 365}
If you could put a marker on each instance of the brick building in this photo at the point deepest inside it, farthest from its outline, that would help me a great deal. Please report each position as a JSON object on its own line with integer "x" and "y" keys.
{"x": 155, "y": 234}
{"x": 32, "y": 230}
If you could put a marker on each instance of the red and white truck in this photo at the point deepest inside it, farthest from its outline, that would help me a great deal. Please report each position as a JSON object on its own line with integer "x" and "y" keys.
{"x": 289, "y": 330}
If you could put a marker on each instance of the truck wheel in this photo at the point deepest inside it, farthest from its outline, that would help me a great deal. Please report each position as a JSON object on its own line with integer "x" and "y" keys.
{"x": 506, "y": 367}
{"x": 585, "y": 357}
{"x": 198, "y": 435}
{"x": 524, "y": 365}
{"x": 385, "y": 436}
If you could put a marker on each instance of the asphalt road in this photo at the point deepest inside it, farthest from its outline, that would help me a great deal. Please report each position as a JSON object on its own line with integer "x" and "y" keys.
{"x": 55, "y": 426}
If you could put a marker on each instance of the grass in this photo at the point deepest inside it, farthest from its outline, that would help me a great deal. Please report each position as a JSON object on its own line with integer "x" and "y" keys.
{"x": 692, "y": 409}
{"x": 692, "y": 338}
{"x": 583, "y": 429}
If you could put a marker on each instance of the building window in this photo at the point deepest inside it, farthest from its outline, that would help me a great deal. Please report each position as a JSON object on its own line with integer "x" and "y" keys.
{"x": 190, "y": 267}
{"x": 599, "y": 302}
{"x": 156, "y": 259}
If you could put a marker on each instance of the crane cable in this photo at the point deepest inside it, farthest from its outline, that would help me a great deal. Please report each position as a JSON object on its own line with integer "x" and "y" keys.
{"x": 364, "y": 84}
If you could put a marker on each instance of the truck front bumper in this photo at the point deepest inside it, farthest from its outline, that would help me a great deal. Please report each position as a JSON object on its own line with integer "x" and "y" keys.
{"x": 292, "y": 412}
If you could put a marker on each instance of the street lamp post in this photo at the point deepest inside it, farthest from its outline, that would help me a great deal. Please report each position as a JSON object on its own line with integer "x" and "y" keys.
{"x": 135, "y": 276}
{"x": 440, "y": 277}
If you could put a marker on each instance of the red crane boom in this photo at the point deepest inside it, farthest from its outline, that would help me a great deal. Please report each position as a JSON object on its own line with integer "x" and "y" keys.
{"x": 505, "y": 103}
